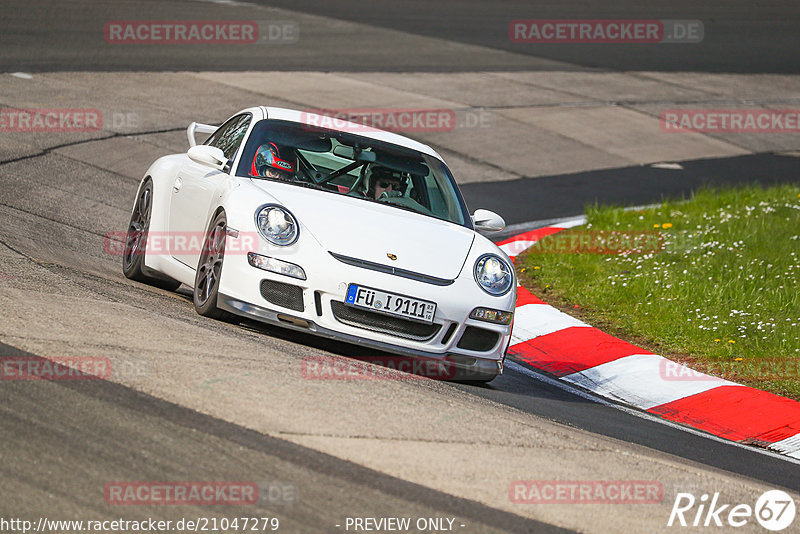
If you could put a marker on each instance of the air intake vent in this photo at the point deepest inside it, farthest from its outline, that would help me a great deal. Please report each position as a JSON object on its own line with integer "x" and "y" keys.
{"x": 384, "y": 324}
{"x": 478, "y": 339}
{"x": 281, "y": 294}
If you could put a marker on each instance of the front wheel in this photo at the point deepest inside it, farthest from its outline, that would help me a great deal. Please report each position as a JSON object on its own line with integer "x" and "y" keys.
{"x": 209, "y": 270}
{"x": 136, "y": 242}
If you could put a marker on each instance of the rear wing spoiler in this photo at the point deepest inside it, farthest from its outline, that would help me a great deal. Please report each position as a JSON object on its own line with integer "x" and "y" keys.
{"x": 198, "y": 127}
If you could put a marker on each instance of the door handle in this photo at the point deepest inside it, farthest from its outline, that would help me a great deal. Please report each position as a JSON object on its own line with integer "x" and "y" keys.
{"x": 177, "y": 185}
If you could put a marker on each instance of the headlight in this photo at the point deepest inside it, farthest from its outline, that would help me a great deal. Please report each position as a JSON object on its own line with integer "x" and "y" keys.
{"x": 277, "y": 225}
{"x": 493, "y": 275}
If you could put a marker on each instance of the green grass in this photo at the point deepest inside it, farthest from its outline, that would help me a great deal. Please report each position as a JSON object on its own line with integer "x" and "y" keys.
{"x": 722, "y": 294}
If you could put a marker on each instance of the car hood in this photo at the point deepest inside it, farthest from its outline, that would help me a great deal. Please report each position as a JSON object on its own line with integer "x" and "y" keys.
{"x": 372, "y": 232}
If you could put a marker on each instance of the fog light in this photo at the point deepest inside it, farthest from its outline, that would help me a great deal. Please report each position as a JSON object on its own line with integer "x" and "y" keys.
{"x": 492, "y": 316}
{"x": 275, "y": 265}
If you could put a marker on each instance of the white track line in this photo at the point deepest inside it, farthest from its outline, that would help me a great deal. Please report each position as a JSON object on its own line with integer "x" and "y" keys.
{"x": 536, "y": 320}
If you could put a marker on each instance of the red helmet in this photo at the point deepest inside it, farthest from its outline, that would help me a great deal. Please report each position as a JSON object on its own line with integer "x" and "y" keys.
{"x": 268, "y": 156}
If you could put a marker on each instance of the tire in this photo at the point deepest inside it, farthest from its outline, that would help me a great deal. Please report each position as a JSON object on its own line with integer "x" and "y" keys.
{"x": 136, "y": 242}
{"x": 209, "y": 269}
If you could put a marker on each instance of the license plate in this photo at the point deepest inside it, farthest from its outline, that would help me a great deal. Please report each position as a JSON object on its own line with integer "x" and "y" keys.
{"x": 390, "y": 303}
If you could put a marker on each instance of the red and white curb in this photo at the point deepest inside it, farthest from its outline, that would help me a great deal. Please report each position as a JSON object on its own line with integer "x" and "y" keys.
{"x": 579, "y": 354}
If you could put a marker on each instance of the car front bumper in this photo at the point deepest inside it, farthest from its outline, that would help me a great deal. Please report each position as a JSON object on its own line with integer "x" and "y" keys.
{"x": 456, "y": 366}
{"x": 322, "y": 294}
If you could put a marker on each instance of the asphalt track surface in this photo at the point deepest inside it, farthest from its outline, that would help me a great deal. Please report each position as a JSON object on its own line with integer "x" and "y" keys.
{"x": 739, "y": 36}
{"x": 100, "y": 425}
{"x": 552, "y": 197}
{"x": 65, "y": 440}
{"x": 742, "y": 37}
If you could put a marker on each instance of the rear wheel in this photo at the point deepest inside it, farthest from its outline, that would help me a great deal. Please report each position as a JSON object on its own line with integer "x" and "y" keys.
{"x": 136, "y": 242}
{"x": 209, "y": 270}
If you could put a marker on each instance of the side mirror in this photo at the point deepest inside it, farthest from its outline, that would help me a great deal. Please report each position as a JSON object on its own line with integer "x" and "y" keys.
{"x": 486, "y": 221}
{"x": 209, "y": 156}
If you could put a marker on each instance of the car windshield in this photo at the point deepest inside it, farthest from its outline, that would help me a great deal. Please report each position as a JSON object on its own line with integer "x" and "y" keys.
{"x": 348, "y": 164}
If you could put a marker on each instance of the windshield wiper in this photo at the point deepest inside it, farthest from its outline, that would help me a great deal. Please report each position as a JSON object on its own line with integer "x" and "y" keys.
{"x": 292, "y": 182}
{"x": 401, "y": 206}
{"x": 312, "y": 185}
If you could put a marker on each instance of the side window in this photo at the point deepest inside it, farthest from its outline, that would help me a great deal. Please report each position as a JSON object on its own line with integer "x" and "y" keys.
{"x": 230, "y": 135}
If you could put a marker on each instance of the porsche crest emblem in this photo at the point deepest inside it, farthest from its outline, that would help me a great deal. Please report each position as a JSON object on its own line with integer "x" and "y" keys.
{"x": 391, "y": 256}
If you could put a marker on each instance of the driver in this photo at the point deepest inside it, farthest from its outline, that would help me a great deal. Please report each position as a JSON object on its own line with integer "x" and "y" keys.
{"x": 273, "y": 162}
{"x": 384, "y": 180}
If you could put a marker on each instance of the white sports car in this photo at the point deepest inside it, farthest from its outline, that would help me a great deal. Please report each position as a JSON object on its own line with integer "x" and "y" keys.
{"x": 347, "y": 232}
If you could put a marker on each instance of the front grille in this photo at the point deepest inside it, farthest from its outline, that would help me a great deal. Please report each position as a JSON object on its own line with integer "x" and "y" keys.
{"x": 478, "y": 339}
{"x": 377, "y": 322}
{"x": 281, "y": 294}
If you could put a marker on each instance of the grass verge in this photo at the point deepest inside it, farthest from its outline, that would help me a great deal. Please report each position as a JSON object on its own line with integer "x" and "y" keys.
{"x": 711, "y": 281}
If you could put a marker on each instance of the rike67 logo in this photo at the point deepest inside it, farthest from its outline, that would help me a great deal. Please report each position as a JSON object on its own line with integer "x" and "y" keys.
{"x": 774, "y": 510}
